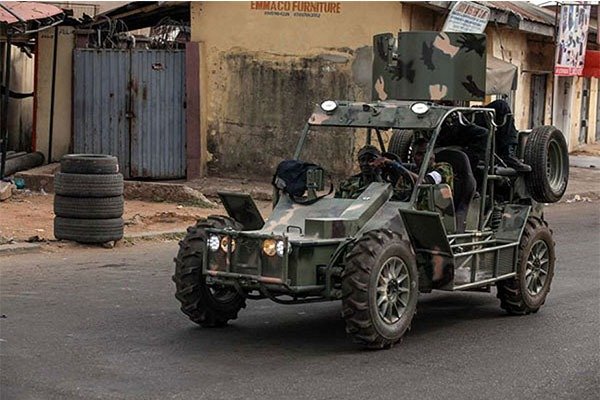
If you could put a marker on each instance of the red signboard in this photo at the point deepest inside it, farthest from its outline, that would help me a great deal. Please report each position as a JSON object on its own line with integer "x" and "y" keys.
{"x": 591, "y": 68}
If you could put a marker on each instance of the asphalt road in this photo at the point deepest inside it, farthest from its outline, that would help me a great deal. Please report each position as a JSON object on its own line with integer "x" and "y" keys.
{"x": 103, "y": 324}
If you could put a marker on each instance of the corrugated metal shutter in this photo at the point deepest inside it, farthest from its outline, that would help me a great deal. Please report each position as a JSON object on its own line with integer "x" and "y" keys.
{"x": 100, "y": 103}
{"x": 158, "y": 102}
{"x": 131, "y": 104}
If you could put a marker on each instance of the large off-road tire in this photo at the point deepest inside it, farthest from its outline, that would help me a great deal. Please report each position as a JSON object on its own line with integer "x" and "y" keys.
{"x": 547, "y": 153}
{"x": 400, "y": 144}
{"x": 527, "y": 292}
{"x": 88, "y": 207}
{"x": 89, "y": 164}
{"x": 206, "y": 306}
{"x": 379, "y": 289}
{"x": 88, "y": 230}
{"x": 82, "y": 185}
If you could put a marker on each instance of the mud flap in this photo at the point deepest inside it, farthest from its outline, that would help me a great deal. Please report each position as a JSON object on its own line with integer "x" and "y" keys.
{"x": 430, "y": 242}
{"x": 242, "y": 208}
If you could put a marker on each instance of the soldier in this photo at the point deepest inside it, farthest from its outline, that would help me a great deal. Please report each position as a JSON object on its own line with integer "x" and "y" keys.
{"x": 352, "y": 187}
{"x": 506, "y": 135}
{"x": 440, "y": 172}
{"x": 473, "y": 137}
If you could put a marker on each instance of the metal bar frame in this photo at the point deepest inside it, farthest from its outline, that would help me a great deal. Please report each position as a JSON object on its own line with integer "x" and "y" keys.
{"x": 486, "y": 250}
{"x": 484, "y": 282}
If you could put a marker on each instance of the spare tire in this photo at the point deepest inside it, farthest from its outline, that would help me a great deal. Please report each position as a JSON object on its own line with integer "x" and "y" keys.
{"x": 88, "y": 207}
{"x": 547, "y": 153}
{"x": 89, "y": 164}
{"x": 85, "y": 185}
{"x": 400, "y": 144}
{"x": 88, "y": 230}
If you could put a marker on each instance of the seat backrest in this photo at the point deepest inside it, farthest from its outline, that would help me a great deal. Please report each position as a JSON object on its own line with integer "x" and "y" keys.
{"x": 464, "y": 181}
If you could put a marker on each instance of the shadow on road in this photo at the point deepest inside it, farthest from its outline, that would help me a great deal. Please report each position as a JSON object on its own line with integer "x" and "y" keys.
{"x": 319, "y": 329}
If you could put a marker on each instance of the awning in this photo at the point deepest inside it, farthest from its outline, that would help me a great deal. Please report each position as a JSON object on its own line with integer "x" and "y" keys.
{"x": 12, "y": 12}
{"x": 501, "y": 76}
{"x": 591, "y": 68}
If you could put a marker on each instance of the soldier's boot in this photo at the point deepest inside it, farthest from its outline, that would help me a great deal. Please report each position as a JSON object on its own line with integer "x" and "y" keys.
{"x": 512, "y": 161}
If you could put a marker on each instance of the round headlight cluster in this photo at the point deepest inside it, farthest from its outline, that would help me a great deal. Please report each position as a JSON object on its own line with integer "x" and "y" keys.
{"x": 213, "y": 242}
{"x": 272, "y": 247}
{"x": 225, "y": 243}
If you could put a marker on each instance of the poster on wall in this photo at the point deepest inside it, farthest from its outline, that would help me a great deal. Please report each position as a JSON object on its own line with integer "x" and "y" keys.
{"x": 468, "y": 17}
{"x": 572, "y": 39}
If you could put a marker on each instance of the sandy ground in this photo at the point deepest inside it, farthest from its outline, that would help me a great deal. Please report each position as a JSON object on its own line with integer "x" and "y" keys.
{"x": 29, "y": 214}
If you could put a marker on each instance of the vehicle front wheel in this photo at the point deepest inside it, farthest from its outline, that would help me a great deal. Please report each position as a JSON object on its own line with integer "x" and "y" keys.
{"x": 526, "y": 292}
{"x": 206, "y": 305}
{"x": 379, "y": 289}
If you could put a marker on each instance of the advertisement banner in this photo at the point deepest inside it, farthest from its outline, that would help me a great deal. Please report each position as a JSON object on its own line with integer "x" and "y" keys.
{"x": 572, "y": 39}
{"x": 468, "y": 17}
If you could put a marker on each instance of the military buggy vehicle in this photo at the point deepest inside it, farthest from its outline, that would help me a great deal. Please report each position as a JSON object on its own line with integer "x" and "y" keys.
{"x": 376, "y": 252}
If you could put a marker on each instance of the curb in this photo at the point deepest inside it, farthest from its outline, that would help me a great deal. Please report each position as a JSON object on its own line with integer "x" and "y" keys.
{"x": 19, "y": 248}
{"x": 169, "y": 235}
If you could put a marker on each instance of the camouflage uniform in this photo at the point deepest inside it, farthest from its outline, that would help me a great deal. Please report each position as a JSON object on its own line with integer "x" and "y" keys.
{"x": 442, "y": 168}
{"x": 351, "y": 188}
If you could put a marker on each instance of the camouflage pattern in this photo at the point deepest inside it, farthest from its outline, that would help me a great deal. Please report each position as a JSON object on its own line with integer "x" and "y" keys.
{"x": 351, "y": 188}
{"x": 423, "y": 202}
{"x": 381, "y": 114}
{"x": 429, "y": 66}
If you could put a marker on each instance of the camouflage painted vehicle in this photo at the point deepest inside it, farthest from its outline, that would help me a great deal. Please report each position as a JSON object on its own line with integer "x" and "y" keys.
{"x": 376, "y": 254}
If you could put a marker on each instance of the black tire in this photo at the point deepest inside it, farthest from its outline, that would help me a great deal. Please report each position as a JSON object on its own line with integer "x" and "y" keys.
{"x": 374, "y": 252}
{"x": 401, "y": 144}
{"x": 88, "y": 207}
{"x": 80, "y": 185}
{"x": 88, "y": 230}
{"x": 89, "y": 164}
{"x": 204, "y": 305}
{"x": 517, "y": 295}
{"x": 547, "y": 153}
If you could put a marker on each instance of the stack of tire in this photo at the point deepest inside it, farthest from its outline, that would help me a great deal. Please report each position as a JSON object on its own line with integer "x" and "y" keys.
{"x": 88, "y": 201}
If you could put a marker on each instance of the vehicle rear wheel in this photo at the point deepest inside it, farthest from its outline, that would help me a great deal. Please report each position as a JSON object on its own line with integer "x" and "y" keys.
{"x": 526, "y": 293}
{"x": 547, "y": 153}
{"x": 401, "y": 144}
{"x": 379, "y": 289}
{"x": 206, "y": 305}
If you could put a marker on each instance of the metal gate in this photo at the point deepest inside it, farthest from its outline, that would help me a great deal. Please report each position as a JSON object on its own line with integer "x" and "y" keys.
{"x": 538, "y": 97}
{"x": 131, "y": 104}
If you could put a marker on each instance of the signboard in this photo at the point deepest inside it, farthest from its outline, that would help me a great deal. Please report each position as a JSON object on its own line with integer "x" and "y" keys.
{"x": 467, "y": 17}
{"x": 302, "y": 9}
{"x": 572, "y": 40}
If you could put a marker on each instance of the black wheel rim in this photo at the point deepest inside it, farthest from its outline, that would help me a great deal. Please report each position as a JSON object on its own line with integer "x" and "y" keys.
{"x": 536, "y": 271}
{"x": 555, "y": 166}
{"x": 393, "y": 290}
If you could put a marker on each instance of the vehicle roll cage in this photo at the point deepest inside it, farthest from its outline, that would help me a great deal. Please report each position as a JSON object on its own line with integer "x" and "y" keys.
{"x": 465, "y": 116}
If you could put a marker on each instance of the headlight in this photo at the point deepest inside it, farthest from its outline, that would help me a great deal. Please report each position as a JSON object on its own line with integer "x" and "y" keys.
{"x": 281, "y": 246}
{"x": 328, "y": 106}
{"x": 225, "y": 243}
{"x": 269, "y": 247}
{"x": 419, "y": 108}
{"x": 213, "y": 242}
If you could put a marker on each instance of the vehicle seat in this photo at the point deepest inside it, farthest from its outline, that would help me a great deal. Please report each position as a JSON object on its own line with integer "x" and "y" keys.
{"x": 464, "y": 182}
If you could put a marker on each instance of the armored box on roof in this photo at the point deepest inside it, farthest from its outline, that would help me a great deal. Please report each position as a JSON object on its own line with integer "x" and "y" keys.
{"x": 429, "y": 66}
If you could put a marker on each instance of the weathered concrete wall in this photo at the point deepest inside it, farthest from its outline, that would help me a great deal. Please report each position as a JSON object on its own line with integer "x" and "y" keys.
{"x": 529, "y": 54}
{"x": 61, "y": 137}
{"x": 260, "y": 81}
